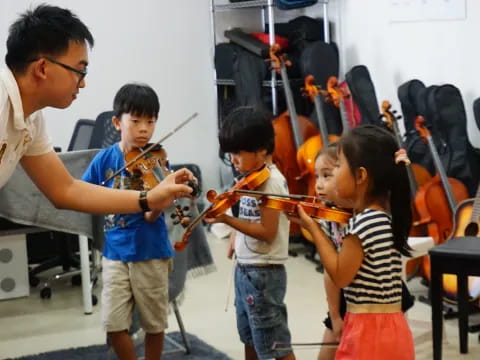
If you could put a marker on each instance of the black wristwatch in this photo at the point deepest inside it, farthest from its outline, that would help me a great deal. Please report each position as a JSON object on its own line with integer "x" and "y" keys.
{"x": 142, "y": 201}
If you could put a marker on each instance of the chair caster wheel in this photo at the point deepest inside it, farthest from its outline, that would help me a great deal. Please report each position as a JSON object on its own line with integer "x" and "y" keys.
{"x": 33, "y": 280}
{"x": 46, "y": 293}
{"x": 76, "y": 280}
{"x": 94, "y": 300}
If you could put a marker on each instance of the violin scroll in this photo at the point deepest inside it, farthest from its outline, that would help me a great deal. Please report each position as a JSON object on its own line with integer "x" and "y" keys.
{"x": 333, "y": 93}
{"x": 421, "y": 128}
{"x": 310, "y": 89}
{"x": 389, "y": 115}
{"x": 278, "y": 60}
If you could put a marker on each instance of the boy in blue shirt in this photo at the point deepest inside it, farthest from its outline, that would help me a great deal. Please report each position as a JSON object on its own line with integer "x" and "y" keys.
{"x": 137, "y": 251}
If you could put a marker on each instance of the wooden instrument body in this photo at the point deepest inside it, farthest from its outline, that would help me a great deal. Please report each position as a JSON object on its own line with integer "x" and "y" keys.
{"x": 467, "y": 223}
{"x": 285, "y": 152}
{"x": 306, "y": 156}
{"x": 437, "y": 205}
{"x": 418, "y": 176}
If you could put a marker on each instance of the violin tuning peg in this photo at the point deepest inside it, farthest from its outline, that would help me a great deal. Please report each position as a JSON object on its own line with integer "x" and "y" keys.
{"x": 176, "y": 222}
{"x": 186, "y": 208}
{"x": 173, "y": 216}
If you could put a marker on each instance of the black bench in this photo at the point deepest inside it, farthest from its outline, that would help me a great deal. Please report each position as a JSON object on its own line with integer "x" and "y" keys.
{"x": 459, "y": 256}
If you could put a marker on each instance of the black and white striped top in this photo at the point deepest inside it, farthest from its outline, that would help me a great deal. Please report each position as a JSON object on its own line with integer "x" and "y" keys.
{"x": 378, "y": 280}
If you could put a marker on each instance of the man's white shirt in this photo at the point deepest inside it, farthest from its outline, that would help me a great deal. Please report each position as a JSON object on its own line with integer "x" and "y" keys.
{"x": 18, "y": 136}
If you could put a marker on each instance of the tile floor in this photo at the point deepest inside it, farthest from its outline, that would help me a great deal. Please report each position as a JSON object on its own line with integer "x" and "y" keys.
{"x": 31, "y": 325}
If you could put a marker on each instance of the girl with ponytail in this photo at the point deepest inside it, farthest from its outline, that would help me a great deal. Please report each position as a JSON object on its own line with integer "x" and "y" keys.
{"x": 370, "y": 177}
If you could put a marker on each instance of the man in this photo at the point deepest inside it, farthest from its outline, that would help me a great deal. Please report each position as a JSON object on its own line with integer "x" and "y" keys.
{"x": 47, "y": 59}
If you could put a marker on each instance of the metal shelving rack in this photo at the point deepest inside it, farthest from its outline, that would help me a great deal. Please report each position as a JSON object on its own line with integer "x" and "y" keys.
{"x": 266, "y": 7}
{"x": 267, "y": 13}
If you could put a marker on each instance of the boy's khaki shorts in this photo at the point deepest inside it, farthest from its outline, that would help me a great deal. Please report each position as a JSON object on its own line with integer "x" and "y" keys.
{"x": 143, "y": 283}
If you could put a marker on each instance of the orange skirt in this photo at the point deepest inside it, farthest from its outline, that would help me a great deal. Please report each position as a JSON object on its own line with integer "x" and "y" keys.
{"x": 376, "y": 336}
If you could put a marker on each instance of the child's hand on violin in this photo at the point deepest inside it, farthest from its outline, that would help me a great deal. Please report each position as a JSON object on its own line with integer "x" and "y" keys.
{"x": 218, "y": 219}
{"x": 171, "y": 188}
{"x": 301, "y": 218}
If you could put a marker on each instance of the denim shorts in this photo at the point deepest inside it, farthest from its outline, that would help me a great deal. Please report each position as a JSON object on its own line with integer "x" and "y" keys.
{"x": 261, "y": 312}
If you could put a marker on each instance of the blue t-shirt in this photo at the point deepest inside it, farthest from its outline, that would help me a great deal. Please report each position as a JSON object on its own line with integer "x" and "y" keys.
{"x": 128, "y": 237}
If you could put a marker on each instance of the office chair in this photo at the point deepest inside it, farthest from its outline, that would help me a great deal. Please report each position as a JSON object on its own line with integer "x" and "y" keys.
{"x": 82, "y": 135}
{"x": 52, "y": 248}
{"x": 104, "y": 133}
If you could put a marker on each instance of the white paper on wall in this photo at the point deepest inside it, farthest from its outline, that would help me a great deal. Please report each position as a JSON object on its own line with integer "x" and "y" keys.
{"x": 427, "y": 10}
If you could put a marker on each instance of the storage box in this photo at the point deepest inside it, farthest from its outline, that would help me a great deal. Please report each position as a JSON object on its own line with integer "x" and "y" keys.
{"x": 13, "y": 266}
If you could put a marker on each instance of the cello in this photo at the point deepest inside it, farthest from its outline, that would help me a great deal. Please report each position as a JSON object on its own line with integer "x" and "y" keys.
{"x": 417, "y": 176}
{"x": 307, "y": 153}
{"x": 291, "y": 130}
{"x": 340, "y": 95}
{"x": 436, "y": 202}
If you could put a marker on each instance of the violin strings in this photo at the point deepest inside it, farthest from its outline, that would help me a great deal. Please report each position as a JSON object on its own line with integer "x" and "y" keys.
{"x": 291, "y": 196}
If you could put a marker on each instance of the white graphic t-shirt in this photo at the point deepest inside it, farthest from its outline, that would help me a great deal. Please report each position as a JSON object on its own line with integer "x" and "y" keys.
{"x": 252, "y": 251}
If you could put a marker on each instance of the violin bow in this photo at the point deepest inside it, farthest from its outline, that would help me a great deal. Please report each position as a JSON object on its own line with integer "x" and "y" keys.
{"x": 278, "y": 345}
{"x": 147, "y": 150}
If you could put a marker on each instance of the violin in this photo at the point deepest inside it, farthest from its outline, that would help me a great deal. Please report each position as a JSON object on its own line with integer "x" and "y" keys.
{"x": 149, "y": 169}
{"x": 149, "y": 148}
{"x": 289, "y": 203}
{"x": 222, "y": 202}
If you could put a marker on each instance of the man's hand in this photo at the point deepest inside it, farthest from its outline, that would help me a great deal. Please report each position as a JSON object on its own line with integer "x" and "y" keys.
{"x": 171, "y": 188}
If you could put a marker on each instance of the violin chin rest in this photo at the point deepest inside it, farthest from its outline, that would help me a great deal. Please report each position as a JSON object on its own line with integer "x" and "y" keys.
{"x": 195, "y": 187}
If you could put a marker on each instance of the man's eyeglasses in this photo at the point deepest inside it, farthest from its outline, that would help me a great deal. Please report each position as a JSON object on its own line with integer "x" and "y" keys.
{"x": 81, "y": 73}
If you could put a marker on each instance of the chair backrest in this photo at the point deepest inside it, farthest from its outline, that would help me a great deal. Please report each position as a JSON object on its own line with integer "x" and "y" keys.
{"x": 104, "y": 133}
{"x": 476, "y": 111}
{"x": 82, "y": 134}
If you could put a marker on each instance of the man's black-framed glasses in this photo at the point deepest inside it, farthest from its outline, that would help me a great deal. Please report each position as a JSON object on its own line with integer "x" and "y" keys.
{"x": 81, "y": 73}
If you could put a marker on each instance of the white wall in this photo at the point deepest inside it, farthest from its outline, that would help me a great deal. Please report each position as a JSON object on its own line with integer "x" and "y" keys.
{"x": 163, "y": 43}
{"x": 436, "y": 52}
{"x": 168, "y": 45}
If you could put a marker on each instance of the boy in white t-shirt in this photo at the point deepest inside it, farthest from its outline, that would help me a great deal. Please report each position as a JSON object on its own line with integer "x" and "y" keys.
{"x": 261, "y": 241}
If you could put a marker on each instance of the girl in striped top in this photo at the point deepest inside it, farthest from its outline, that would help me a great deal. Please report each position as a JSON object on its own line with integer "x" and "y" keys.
{"x": 370, "y": 177}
